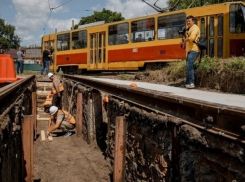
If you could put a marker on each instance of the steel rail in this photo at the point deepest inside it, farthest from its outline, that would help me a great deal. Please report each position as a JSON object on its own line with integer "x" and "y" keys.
{"x": 220, "y": 118}
{"x": 9, "y": 89}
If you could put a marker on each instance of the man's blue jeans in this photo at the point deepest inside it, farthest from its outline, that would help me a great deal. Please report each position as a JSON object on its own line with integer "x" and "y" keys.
{"x": 191, "y": 57}
{"x": 20, "y": 66}
{"x": 45, "y": 65}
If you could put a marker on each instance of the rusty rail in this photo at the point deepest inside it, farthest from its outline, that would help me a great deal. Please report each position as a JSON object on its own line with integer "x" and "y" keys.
{"x": 9, "y": 89}
{"x": 21, "y": 97}
{"x": 214, "y": 118}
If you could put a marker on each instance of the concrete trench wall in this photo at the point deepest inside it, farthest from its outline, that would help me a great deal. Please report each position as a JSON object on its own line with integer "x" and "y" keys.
{"x": 13, "y": 109}
{"x": 157, "y": 148}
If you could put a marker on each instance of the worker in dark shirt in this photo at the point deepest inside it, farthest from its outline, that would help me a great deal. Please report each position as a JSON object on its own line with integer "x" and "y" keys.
{"x": 46, "y": 61}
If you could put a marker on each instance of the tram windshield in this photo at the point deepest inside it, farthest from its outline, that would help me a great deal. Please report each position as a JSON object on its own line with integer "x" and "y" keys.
{"x": 237, "y": 18}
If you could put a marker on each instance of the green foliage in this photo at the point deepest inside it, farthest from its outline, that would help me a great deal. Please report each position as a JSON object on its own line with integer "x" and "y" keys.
{"x": 185, "y": 4}
{"x": 105, "y": 15}
{"x": 235, "y": 65}
{"x": 177, "y": 70}
{"x": 208, "y": 65}
{"x": 8, "y": 39}
{"x": 126, "y": 77}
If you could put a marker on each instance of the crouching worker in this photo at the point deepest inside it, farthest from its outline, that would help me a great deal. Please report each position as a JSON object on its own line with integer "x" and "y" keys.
{"x": 57, "y": 90}
{"x": 62, "y": 119}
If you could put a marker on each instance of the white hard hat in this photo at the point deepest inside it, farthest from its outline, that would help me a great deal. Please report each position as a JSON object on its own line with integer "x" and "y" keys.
{"x": 50, "y": 74}
{"x": 53, "y": 110}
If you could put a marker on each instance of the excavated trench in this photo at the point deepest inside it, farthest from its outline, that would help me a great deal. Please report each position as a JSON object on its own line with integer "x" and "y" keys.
{"x": 148, "y": 146}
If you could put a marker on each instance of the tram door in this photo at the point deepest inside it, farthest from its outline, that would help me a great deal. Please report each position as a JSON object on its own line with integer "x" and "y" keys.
{"x": 50, "y": 44}
{"x": 203, "y": 24}
{"x": 215, "y": 35}
{"x": 97, "y": 51}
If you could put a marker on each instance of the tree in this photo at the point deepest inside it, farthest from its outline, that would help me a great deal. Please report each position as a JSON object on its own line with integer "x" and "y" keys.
{"x": 186, "y": 3}
{"x": 8, "y": 39}
{"x": 104, "y": 15}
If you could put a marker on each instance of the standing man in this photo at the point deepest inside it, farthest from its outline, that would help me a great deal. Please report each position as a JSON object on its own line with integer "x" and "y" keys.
{"x": 46, "y": 59}
{"x": 20, "y": 61}
{"x": 192, "y": 35}
{"x": 57, "y": 90}
{"x": 62, "y": 119}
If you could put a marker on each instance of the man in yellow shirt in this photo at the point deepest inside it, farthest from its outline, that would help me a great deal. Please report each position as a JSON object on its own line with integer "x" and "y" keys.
{"x": 192, "y": 35}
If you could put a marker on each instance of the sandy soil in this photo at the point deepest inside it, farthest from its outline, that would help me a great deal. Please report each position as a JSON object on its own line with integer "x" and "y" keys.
{"x": 68, "y": 159}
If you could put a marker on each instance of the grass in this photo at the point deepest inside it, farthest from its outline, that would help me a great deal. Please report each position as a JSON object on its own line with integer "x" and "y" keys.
{"x": 208, "y": 65}
{"x": 28, "y": 72}
{"x": 126, "y": 77}
{"x": 227, "y": 75}
{"x": 235, "y": 65}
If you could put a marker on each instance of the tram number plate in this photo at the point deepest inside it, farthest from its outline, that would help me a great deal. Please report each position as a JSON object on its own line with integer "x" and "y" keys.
{"x": 135, "y": 50}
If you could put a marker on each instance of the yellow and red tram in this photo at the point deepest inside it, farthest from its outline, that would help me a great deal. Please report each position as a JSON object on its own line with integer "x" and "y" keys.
{"x": 132, "y": 44}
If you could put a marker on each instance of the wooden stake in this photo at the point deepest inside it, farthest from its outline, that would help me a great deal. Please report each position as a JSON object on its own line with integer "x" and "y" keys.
{"x": 79, "y": 116}
{"x": 34, "y": 113}
{"x": 120, "y": 150}
{"x": 43, "y": 137}
{"x": 27, "y": 144}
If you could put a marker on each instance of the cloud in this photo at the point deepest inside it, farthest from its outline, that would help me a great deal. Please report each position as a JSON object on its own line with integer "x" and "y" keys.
{"x": 62, "y": 25}
{"x": 34, "y": 15}
{"x": 28, "y": 38}
{"x": 133, "y": 8}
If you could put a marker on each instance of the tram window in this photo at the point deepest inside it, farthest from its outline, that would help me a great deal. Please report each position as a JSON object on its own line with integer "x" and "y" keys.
{"x": 104, "y": 55}
{"x": 46, "y": 44}
{"x": 63, "y": 42}
{"x": 99, "y": 56}
{"x": 211, "y": 47}
{"x": 169, "y": 26}
{"x": 91, "y": 56}
{"x": 220, "y": 25}
{"x": 211, "y": 26}
{"x": 79, "y": 39}
{"x": 100, "y": 40}
{"x": 196, "y": 21}
{"x": 203, "y": 26}
{"x": 220, "y": 47}
{"x": 118, "y": 34}
{"x": 143, "y": 30}
{"x": 237, "y": 18}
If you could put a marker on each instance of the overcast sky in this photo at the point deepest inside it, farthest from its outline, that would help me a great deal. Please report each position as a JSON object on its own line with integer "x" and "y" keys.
{"x": 33, "y": 19}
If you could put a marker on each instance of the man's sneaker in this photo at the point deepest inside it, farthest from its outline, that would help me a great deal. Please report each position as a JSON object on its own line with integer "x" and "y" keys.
{"x": 190, "y": 86}
{"x": 67, "y": 134}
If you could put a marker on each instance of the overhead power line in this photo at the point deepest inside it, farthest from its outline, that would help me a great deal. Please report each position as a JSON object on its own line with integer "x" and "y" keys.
{"x": 25, "y": 5}
{"x": 60, "y": 5}
{"x": 50, "y": 11}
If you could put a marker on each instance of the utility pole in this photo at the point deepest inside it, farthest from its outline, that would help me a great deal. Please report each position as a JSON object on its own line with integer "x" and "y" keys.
{"x": 35, "y": 52}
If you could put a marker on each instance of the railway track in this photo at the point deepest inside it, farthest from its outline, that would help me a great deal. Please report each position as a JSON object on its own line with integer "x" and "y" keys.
{"x": 222, "y": 120}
